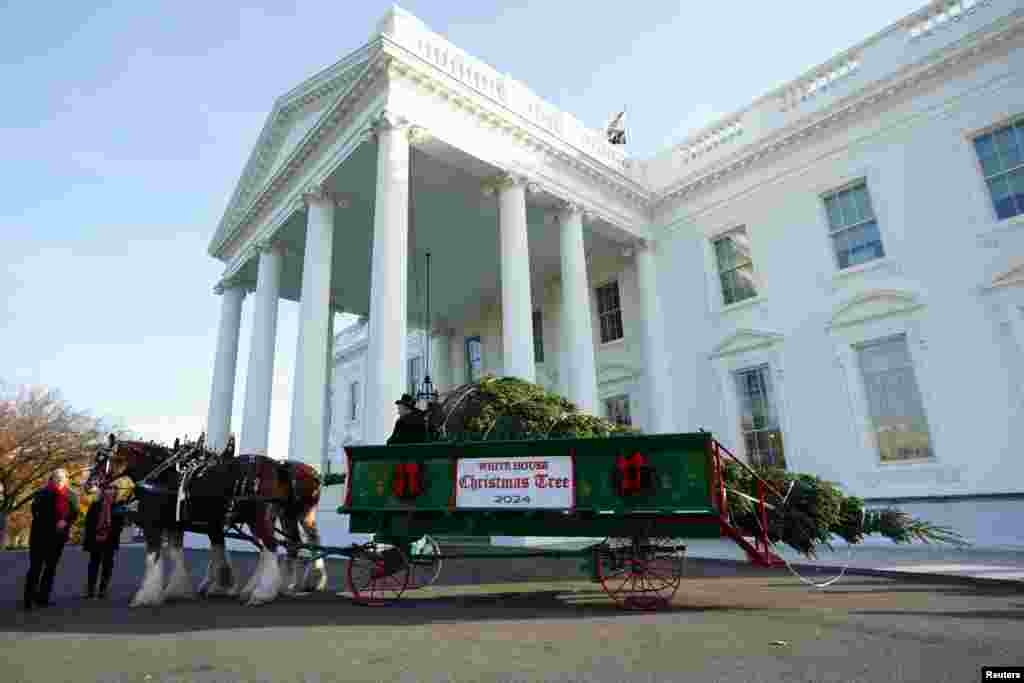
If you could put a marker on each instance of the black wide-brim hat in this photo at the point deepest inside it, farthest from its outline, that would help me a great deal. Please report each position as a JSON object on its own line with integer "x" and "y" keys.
{"x": 407, "y": 400}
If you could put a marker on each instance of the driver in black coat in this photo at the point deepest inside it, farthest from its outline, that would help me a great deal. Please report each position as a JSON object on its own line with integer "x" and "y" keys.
{"x": 412, "y": 423}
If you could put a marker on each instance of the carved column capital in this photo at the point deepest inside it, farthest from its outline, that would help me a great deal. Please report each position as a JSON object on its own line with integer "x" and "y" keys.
{"x": 497, "y": 183}
{"x": 418, "y": 135}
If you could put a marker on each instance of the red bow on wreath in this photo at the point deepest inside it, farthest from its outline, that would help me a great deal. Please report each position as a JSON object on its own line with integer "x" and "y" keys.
{"x": 406, "y": 482}
{"x": 631, "y": 469}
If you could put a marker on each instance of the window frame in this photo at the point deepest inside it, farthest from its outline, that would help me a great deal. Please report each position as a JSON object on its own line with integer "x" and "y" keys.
{"x": 538, "y": 336}
{"x": 714, "y": 240}
{"x": 970, "y": 137}
{"x": 747, "y": 349}
{"x": 855, "y": 354}
{"x": 846, "y": 339}
{"x": 615, "y": 281}
{"x": 772, "y": 398}
{"x": 830, "y": 233}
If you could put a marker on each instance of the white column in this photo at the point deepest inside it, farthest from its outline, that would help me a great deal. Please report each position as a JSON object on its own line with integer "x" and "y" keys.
{"x": 222, "y": 392}
{"x": 661, "y": 415}
{"x": 440, "y": 359}
{"x": 576, "y": 326}
{"x": 328, "y": 390}
{"x": 386, "y": 351}
{"x": 516, "y": 300}
{"x": 260, "y": 375}
{"x": 308, "y": 395}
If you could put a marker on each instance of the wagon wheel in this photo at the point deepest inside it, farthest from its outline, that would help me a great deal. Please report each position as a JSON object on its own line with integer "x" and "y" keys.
{"x": 378, "y": 573}
{"x": 640, "y": 573}
{"x": 425, "y": 559}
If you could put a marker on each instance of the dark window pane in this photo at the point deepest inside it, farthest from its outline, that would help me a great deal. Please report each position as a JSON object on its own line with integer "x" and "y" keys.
{"x": 538, "y": 337}
{"x": 985, "y": 146}
{"x": 728, "y": 293}
{"x": 1007, "y": 148}
{"x": 725, "y": 254}
{"x": 1006, "y": 208}
{"x": 864, "y": 204}
{"x": 851, "y": 211}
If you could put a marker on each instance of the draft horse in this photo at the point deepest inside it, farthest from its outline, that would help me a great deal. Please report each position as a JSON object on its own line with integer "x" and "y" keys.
{"x": 286, "y": 492}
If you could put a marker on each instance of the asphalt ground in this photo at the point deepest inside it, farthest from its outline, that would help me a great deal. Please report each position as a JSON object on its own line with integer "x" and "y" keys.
{"x": 517, "y": 620}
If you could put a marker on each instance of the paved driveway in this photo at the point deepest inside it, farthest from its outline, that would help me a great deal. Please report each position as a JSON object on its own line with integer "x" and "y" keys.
{"x": 518, "y": 620}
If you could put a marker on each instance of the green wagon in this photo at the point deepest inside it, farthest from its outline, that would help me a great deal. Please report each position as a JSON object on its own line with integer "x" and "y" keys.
{"x": 640, "y": 494}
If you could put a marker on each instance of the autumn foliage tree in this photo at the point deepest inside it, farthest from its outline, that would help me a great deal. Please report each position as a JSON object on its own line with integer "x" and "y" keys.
{"x": 39, "y": 432}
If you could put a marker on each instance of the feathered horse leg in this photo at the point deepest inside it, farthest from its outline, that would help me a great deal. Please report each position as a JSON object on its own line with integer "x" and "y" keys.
{"x": 179, "y": 587}
{"x": 267, "y": 579}
{"x": 151, "y": 592}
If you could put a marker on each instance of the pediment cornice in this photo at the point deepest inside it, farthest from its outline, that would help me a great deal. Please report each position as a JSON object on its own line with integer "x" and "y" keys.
{"x": 336, "y": 82}
{"x": 875, "y": 303}
{"x": 743, "y": 340}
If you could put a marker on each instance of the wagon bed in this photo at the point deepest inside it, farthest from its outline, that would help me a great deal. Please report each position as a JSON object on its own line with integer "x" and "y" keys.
{"x": 640, "y": 494}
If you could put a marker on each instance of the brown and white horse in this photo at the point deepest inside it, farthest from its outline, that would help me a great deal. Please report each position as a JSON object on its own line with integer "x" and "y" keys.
{"x": 289, "y": 492}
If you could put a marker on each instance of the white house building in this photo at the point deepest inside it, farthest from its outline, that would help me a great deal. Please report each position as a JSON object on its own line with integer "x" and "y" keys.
{"x": 833, "y": 275}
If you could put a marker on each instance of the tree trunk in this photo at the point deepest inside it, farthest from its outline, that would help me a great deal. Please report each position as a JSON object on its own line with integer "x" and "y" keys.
{"x": 3, "y": 530}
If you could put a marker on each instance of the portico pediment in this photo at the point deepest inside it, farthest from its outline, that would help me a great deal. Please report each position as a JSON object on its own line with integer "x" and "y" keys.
{"x": 745, "y": 340}
{"x": 296, "y": 116}
{"x": 877, "y": 303}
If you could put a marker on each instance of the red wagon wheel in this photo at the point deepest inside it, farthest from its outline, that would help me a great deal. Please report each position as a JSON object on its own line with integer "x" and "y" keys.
{"x": 640, "y": 573}
{"x": 378, "y": 574}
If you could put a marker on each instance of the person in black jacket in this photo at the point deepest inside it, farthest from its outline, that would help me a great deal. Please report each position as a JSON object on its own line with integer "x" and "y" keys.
{"x": 412, "y": 423}
{"x": 103, "y": 528}
{"x": 54, "y": 511}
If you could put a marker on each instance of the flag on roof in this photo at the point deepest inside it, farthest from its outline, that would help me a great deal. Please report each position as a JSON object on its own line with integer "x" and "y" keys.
{"x": 616, "y": 130}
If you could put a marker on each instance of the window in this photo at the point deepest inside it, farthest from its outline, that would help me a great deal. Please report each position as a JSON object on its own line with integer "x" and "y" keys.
{"x": 617, "y": 409}
{"x": 759, "y": 419}
{"x": 353, "y": 401}
{"x": 735, "y": 268}
{"x": 1001, "y": 154}
{"x": 609, "y": 312}
{"x": 474, "y": 358}
{"x": 415, "y": 374}
{"x": 538, "y": 337}
{"x": 853, "y": 226}
{"x": 894, "y": 402}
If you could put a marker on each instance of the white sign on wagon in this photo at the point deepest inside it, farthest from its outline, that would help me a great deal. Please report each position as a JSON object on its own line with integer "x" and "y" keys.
{"x": 515, "y": 483}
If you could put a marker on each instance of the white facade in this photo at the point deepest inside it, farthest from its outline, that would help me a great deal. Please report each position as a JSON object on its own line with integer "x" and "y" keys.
{"x": 900, "y": 376}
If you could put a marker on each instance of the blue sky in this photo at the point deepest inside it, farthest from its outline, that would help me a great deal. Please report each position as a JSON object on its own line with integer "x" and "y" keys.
{"x": 126, "y": 125}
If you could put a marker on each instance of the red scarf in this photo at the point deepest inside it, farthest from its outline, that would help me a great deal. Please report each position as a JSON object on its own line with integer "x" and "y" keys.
{"x": 60, "y": 494}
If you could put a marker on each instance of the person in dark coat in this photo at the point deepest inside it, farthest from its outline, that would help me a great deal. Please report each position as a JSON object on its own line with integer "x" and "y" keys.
{"x": 412, "y": 423}
{"x": 103, "y": 528}
{"x": 54, "y": 512}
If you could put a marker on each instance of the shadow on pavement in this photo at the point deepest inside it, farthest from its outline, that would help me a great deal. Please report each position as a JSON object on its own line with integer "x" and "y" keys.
{"x": 775, "y": 590}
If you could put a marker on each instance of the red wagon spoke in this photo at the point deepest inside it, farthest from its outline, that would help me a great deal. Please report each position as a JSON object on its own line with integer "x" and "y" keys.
{"x": 650, "y": 576}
